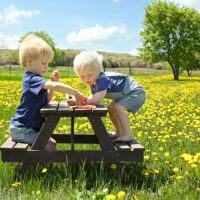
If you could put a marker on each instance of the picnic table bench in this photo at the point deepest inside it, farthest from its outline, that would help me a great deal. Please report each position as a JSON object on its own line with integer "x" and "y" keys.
{"x": 110, "y": 152}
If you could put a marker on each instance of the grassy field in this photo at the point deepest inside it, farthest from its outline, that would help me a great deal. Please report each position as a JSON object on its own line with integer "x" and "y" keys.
{"x": 168, "y": 126}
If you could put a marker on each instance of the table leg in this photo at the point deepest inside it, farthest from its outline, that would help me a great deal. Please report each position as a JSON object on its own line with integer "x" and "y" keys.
{"x": 45, "y": 132}
{"x": 101, "y": 133}
{"x": 72, "y": 133}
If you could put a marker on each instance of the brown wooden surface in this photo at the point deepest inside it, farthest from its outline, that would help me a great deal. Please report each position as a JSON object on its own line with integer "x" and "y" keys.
{"x": 78, "y": 138}
{"x": 101, "y": 133}
{"x": 8, "y": 144}
{"x": 11, "y": 145}
{"x": 45, "y": 132}
{"x": 34, "y": 156}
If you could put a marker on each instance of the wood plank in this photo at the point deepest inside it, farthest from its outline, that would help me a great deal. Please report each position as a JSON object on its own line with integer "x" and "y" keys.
{"x": 50, "y": 108}
{"x": 122, "y": 146}
{"x": 135, "y": 146}
{"x": 21, "y": 146}
{"x": 100, "y": 111}
{"x": 8, "y": 144}
{"x": 64, "y": 108}
{"x": 72, "y": 156}
{"x": 78, "y": 138}
{"x": 101, "y": 133}
{"x": 45, "y": 132}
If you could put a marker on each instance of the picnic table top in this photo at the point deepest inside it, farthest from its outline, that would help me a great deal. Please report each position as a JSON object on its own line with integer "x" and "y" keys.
{"x": 60, "y": 108}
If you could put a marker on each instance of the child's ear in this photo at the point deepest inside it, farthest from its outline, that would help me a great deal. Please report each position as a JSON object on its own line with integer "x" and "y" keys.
{"x": 29, "y": 60}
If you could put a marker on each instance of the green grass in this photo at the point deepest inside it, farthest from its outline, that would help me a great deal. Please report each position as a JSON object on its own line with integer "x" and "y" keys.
{"x": 169, "y": 119}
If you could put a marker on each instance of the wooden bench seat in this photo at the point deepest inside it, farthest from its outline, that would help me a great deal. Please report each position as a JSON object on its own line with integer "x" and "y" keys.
{"x": 10, "y": 145}
{"x": 129, "y": 146}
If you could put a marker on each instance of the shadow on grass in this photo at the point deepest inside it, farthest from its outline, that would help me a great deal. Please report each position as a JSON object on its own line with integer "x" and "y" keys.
{"x": 94, "y": 175}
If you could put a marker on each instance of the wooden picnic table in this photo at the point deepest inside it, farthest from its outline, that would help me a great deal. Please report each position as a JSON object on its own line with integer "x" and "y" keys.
{"x": 110, "y": 152}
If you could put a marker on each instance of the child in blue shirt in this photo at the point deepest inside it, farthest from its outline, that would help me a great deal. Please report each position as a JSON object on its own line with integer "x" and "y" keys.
{"x": 125, "y": 92}
{"x": 35, "y": 54}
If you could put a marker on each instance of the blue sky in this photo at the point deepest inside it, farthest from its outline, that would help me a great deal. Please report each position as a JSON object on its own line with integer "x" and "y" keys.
{"x": 103, "y": 25}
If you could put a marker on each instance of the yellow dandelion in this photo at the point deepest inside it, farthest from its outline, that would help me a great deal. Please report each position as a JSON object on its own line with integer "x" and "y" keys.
{"x": 179, "y": 177}
{"x": 121, "y": 195}
{"x": 135, "y": 197}
{"x": 161, "y": 148}
{"x": 156, "y": 171}
{"x": 110, "y": 197}
{"x": 187, "y": 173}
{"x": 17, "y": 184}
{"x": 145, "y": 172}
{"x": 175, "y": 169}
{"x": 166, "y": 154}
{"x": 186, "y": 156}
{"x": 76, "y": 181}
{"x": 37, "y": 192}
{"x": 6, "y": 136}
{"x": 198, "y": 189}
{"x": 146, "y": 157}
{"x": 194, "y": 166}
{"x": 113, "y": 166}
{"x": 44, "y": 170}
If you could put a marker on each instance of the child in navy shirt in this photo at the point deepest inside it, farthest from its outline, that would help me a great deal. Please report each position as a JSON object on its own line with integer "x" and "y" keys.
{"x": 35, "y": 54}
{"x": 125, "y": 92}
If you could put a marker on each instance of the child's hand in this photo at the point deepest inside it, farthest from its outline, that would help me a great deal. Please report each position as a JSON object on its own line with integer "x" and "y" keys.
{"x": 72, "y": 102}
{"x": 55, "y": 76}
{"x": 81, "y": 98}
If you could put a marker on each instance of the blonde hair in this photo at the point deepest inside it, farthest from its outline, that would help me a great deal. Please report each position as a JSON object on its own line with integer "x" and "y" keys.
{"x": 34, "y": 47}
{"x": 88, "y": 60}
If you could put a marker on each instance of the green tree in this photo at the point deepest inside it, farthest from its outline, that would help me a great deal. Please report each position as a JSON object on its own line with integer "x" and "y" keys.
{"x": 191, "y": 63}
{"x": 170, "y": 33}
{"x": 46, "y": 37}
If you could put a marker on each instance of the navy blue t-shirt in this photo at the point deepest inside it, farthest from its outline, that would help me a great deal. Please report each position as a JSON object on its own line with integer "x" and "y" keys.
{"x": 32, "y": 100}
{"x": 110, "y": 81}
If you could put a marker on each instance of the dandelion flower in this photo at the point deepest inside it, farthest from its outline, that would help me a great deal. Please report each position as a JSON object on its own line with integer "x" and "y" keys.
{"x": 44, "y": 170}
{"x": 113, "y": 166}
{"x": 121, "y": 195}
{"x": 37, "y": 192}
{"x": 17, "y": 184}
{"x": 175, "y": 169}
{"x": 166, "y": 154}
{"x": 161, "y": 148}
{"x": 146, "y": 157}
{"x": 194, "y": 166}
{"x": 179, "y": 177}
{"x": 110, "y": 197}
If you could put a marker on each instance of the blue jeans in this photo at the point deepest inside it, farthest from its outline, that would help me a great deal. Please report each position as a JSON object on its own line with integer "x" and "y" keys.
{"x": 22, "y": 134}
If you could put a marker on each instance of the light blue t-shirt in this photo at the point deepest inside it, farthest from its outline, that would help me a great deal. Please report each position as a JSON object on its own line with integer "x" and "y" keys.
{"x": 32, "y": 100}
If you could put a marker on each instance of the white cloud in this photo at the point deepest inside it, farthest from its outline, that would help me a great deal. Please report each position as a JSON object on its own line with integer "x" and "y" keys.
{"x": 11, "y": 15}
{"x": 9, "y": 42}
{"x": 94, "y": 35}
{"x": 116, "y": 1}
{"x": 191, "y": 3}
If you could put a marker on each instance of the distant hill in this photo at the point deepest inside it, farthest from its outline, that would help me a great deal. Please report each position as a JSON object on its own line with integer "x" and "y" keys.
{"x": 111, "y": 59}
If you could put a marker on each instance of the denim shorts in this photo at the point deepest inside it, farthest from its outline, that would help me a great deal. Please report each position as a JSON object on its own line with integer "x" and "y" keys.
{"x": 22, "y": 134}
{"x": 132, "y": 97}
{"x": 133, "y": 101}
